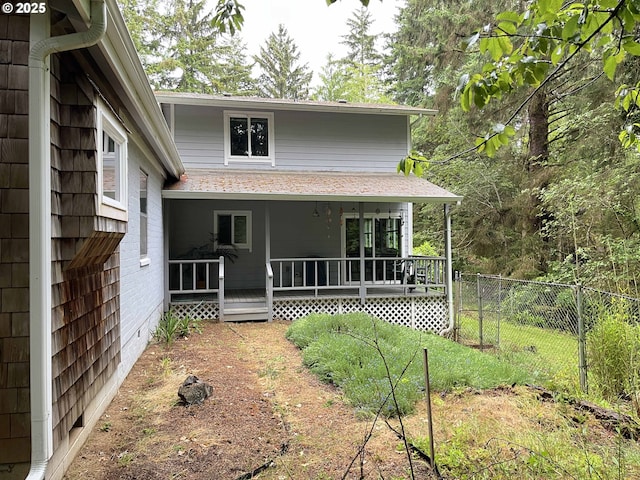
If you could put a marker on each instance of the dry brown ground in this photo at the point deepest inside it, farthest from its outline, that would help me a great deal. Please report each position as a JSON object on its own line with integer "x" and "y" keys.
{"x": 266, "y": 408}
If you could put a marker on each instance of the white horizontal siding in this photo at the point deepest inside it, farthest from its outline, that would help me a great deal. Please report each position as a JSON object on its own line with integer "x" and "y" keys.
{"x": 140, "y": 308}
{"x": 303, "y": 140}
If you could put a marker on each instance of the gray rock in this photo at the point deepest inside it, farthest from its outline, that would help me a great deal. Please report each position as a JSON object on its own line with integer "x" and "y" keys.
{"x": 193, "y": 391}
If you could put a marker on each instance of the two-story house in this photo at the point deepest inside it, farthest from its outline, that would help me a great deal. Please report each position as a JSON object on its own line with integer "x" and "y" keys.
{"x": 291, "y": 207}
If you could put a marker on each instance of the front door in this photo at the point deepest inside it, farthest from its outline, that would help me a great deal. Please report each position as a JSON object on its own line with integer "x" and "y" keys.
{"x": 381, "y": 241}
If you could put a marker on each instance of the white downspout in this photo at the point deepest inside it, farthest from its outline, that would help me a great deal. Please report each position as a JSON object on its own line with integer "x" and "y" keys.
{"x": 448, "y": 266}
{"x": 40, "y": 223}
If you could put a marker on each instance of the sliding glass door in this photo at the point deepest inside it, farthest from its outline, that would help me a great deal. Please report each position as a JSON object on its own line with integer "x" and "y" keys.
{"x": 381, "y": 240}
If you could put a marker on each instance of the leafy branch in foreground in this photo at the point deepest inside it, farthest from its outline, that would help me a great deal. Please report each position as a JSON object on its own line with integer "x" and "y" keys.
{"x": 532, "y": 48}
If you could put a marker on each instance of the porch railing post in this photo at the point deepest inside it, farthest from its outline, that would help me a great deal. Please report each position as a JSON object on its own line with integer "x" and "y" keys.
{"x": 363, "y": 288}
{"x": 221, "y": 288}
{"x": 269, "y": 280}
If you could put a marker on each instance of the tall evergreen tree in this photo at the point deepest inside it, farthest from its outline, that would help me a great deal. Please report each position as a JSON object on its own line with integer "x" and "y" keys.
{"x": 188, "y": 48}
{"x": 235, "y": 71}
{"x": 181, "y": 48}
{"x": 357, "y": 77}
{"x": 282, "y": 74}
{"x": 333, "y": 78}
{"x": 360, "y": 42}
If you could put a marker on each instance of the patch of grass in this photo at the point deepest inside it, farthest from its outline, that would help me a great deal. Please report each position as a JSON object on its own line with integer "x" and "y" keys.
{"x": 125, "y": 458}
{"x": 272, "y": 369}
{"x": 528, "y": 440}
{"x": 550, "y": 356}
{"x": 348, "y": 350}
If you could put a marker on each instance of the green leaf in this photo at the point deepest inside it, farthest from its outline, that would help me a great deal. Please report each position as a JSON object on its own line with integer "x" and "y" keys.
{"x": 506, "y": 46}
{"x": 556, "y": 55}
{"x": 631, "y": 47}
{"x": 509, "y": 16}
{"x": 571, "y": 29}
{"x": 494, "y": 48}
{"x": 610, "y": 65}
{"x": 508, "y": 28}
{"x": 418, "y": 169}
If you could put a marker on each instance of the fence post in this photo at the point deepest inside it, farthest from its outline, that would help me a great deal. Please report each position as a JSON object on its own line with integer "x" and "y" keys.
{"x": 480, "y": 319}
{"x": 457, "y": 305}
{"x": 499, "y": 309}
{"x": 582, "y": 360}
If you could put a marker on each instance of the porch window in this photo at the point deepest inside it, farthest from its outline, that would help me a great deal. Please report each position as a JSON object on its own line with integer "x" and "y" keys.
{"x": 233, "y": 228}
{"x": 112, "y": 165}
{"x": 248, "y": 137}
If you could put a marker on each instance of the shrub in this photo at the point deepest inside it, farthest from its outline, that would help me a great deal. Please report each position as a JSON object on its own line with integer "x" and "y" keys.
{"x": 171, "y": 327}
{"x": 350, "y": 351}
{"x": 614, "y": 355}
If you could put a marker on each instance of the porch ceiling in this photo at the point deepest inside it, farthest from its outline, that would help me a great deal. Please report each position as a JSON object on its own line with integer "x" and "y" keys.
{"x": 294, "y": 185}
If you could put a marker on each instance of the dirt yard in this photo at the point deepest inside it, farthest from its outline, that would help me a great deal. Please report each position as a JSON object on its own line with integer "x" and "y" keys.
{"x": 267, "y": 414}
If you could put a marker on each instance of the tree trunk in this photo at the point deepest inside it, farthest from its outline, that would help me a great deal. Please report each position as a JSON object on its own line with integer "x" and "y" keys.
{"x": 538, "y": 113}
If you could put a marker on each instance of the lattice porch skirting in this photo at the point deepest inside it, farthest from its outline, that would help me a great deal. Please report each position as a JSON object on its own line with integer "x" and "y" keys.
{"x": 202, "y": 310}
{"x": 421, "y": 313}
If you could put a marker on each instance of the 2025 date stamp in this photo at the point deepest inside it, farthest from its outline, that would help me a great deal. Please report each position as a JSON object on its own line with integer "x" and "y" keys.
{"x": 25, "y": 8}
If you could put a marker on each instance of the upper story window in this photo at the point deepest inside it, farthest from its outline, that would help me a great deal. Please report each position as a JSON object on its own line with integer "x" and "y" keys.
{"x": 112, "y": 165}
{"x": 248, "y": 137}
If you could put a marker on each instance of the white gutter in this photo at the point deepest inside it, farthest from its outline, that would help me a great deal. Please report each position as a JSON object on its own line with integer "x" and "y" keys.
{"x": 41, "y": 382}
{"x": 448, "y": 272}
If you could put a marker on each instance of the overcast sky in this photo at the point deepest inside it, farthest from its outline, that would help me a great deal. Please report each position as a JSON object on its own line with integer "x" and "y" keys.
{"x": 315, "y": 27}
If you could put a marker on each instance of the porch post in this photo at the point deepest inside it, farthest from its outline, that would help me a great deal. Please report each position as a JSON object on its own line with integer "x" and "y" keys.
{"x": 165, "y": 249}
{"x": 448, "y": 267}
{"x": 363, "y": 289}
{"x": 267, "y": 256}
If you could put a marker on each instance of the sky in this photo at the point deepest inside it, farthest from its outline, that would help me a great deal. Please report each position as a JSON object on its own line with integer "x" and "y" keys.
{"x": 315, "y": 27}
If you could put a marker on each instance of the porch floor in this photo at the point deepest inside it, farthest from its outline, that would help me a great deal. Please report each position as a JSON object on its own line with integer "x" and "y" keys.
{"x": 259, "y": 295}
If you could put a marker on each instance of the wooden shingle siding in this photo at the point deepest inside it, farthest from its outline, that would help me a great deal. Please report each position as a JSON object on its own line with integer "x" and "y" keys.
{"x": 86, "y": 265}
{"x": 14, "y": 241}
{"x": 309, "y": 141}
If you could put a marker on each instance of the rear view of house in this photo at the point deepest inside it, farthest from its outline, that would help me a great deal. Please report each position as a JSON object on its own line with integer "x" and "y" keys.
{"x": 293, "y": 207}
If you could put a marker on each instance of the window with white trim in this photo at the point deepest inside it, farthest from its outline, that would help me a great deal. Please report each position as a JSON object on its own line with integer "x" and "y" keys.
{"x": 248, "y": 137}
{"x": 144, "y": 180}
{"x": 112, "y": 164}
{"x": 232, "y": 228}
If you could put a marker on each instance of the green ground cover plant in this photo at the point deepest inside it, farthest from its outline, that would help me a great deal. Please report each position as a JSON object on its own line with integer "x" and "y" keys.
{"x": 361, "y": 354}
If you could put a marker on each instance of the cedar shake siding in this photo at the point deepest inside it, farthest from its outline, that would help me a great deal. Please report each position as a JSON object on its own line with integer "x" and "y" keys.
{"x": 85, "y": 256}
{"x": 14, "y": 241}
{"x": 86, "y": 263}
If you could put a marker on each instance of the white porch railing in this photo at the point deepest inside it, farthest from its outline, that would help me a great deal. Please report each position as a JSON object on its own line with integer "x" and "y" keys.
{"x": 315, "y": 274}
{"x": 196, "y": 276}
{"x": 312, "y": 275}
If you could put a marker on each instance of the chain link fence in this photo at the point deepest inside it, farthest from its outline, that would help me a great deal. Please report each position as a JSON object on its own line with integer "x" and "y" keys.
{"x": 540, "y": 326}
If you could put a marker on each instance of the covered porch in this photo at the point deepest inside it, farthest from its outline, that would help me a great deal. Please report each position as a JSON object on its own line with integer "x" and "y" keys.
{"x": 264, "y": 245}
